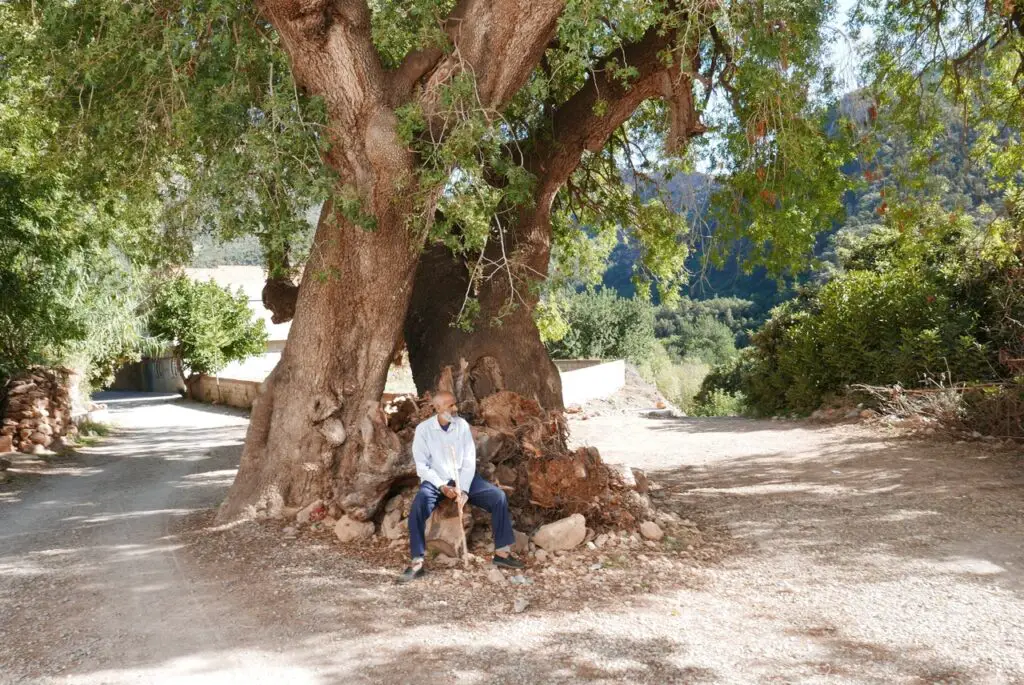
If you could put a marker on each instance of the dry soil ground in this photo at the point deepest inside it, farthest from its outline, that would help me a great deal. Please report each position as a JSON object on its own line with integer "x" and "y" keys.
{"x": 832, "y": 554}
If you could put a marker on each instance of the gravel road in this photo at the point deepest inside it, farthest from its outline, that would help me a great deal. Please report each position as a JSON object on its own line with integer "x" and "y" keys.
{"x": 855, "y": 556}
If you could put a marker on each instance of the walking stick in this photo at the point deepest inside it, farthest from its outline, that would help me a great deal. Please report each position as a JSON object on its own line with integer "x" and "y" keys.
{"x": 458, "y": 505}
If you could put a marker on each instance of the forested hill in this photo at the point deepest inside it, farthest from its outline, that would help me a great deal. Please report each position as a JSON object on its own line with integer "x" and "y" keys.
{"x": 949, "y": 177}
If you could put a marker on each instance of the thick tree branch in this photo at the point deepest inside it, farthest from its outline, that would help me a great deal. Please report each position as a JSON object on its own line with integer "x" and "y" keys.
{"x": 279, "y": 297}
{"x": 331, "y": 49}
{"x": 499, "y": 42}
{"x": 414, "y": 67}
{"x": 580, "y": 125}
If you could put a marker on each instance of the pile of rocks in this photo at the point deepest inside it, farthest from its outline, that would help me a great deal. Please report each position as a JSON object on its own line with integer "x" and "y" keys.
{"x": 36, "y": 409}
{"x": 444, "y": 538}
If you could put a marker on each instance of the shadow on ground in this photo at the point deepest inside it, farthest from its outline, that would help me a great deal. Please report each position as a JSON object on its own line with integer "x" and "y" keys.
{"x": 102, "y": 585}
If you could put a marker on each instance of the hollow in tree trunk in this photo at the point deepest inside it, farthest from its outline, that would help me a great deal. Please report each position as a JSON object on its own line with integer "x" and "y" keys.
{"x": 503, "y": 351}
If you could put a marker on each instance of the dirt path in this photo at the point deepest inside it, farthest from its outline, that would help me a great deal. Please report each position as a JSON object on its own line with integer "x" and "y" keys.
{"x": 859, "y": 559}
{"x": 91, "y": 578}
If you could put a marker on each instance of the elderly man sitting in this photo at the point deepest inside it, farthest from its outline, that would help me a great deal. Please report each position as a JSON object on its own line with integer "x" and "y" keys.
{"x": 444, "y": 453}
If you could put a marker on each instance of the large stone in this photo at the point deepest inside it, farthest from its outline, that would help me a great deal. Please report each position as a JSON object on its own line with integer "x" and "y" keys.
{"x": 488, "y": 443}
{"x": 393, "y": 527}
{"x": 445, "y": 561}
{"x": 6, "y": 445}
{"x": 348, "y": 529}
{"x": 625, "y": 474}
{"x": 40, "y": 438}
{"x": 642, "y": 484}
{"x": 305, "y": 514}
{"x": 651, "y": 530}
{"x": 563, "y": 534}
{"x": 24, "y": 387}
{"x": 442, "y": 534}
{"x": 522, "y": 543}
{"x": 506, "y": 475}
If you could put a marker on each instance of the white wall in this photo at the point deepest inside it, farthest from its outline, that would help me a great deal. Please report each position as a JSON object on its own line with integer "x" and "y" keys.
{"x": 584, "y": 380}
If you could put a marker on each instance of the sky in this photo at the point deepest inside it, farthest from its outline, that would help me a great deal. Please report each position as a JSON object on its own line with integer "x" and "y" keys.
{"x": 844, "y": 55}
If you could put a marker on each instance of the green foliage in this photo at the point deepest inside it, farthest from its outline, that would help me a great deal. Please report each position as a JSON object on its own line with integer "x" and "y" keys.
{"x": 193, "y": 110}
{"x": 917, "y": 297}
{"x": 207, "y": 325}
{"x": 720, "y": 402}
{"x": 602, "y": 325}
{"x": 70, "y": 262}
{"x": 550, "y": 320}
{"x": 925, "y": 55}
{"x": 190, "y": 109}
{"x": 703, "y": 338}
{"x": 677, "y": 380}
{"x": 706, "y": 329}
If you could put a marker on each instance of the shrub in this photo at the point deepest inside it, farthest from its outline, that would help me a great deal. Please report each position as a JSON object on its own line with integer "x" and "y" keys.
{"x": 602, "y": 325}
{"x": 911, "y": 303}
{"x": 720, "y": 403}
{"x": 679, "y": 381}
{"x": 703, "y": 338}
{"x": 207, "y": 326}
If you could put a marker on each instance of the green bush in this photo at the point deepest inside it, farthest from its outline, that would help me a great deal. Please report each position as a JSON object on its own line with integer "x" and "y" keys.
{"x": 911, "y": 302}
{"x": 68, "y": 298}
{"x": 703, "y": 338}
{"x": 678, "y": 381}
{"x": 720, "y": 403}
{"x": 602, "y": 325}
{"x": 207, "y": 326}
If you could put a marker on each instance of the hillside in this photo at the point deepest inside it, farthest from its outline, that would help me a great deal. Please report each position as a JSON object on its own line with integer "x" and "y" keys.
{"x": 893, "y": 175}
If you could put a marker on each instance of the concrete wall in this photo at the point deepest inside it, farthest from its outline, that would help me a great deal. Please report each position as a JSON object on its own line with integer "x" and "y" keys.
{"x": 149, "y": 375}
{"x": 227, "y": 391}
{"x": 589, "y": 379}
{"x": 582, "y": 380}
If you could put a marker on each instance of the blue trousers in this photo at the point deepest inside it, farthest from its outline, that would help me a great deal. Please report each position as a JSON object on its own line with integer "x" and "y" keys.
{"x": 481, "y": 494}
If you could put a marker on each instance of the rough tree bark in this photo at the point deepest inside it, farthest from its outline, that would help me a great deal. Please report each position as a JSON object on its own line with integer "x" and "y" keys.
{"x": 511, "y": 355}
{"x": 317, "y": 429}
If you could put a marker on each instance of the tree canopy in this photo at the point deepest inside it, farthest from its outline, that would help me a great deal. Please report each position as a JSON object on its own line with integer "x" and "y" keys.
{"x": 194, "y": 106}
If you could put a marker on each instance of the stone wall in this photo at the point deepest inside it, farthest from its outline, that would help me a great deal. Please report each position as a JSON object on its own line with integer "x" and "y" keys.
{"x": 35, "y": 407}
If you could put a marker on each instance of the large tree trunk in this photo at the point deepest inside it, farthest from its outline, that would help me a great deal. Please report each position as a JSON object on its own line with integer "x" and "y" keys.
{"x": 499, "y": 356}
{"x": 317, "y": 431}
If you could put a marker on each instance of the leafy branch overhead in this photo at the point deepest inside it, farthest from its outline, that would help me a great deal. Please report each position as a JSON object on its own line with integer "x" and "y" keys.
{"x": 238, "y": 118}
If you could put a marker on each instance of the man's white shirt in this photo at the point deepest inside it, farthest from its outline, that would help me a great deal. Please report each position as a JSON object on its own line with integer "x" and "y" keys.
{"x": 433, "y": 450}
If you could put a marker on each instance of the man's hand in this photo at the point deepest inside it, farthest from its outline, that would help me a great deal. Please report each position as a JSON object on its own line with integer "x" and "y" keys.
{"x": 452, "y": 492}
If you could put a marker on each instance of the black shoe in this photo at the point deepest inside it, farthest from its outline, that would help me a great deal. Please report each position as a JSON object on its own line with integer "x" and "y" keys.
{"x": 507, "y": 562}
{"x": 412, "y": 573}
